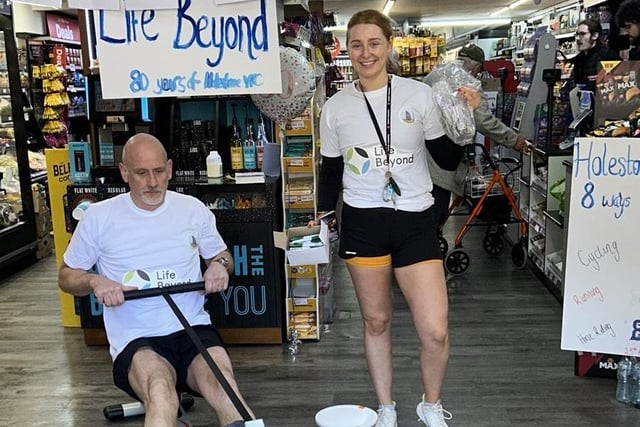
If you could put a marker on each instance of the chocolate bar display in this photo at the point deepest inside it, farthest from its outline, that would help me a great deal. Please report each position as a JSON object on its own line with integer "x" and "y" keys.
{"x": 617, "y": 90}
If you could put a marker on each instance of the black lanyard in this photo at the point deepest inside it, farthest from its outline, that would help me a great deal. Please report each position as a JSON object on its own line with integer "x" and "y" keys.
{"x": 391, "y": 184}
{"x": 386, "y": 145}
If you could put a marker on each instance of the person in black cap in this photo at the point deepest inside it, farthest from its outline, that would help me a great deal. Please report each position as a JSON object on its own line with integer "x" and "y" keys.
{"x": 628, "y": 19}
{"x": 472, "y": 58}
{"x": 448, "y": 174}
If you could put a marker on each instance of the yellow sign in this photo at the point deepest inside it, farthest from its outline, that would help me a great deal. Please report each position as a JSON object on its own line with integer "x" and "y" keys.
{"x": 58, "y": 173}
{"x": 607, "y": 66}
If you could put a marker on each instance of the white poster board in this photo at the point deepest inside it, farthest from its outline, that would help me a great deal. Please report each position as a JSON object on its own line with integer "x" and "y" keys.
{"x": 200, "y": 48}
{"x": 601, "y": 310}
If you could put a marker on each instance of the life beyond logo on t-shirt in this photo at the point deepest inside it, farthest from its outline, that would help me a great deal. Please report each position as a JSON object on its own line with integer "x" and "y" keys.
{"x": 156, "y": 279}
{"x": 359, "y": 159}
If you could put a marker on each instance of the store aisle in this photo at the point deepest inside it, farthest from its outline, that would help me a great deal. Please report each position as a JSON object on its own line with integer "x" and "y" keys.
{"x": 506, "y": 368}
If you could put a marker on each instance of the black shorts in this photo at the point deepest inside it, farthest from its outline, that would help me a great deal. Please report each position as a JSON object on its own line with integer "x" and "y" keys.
{"x": 177, "y": 348}
{"x": 409, "y": 237}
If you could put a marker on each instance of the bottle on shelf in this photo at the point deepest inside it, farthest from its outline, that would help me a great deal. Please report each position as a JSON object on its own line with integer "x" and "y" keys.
{"x": 249, "y": 148}
{"x": 237, "y": 163}
{"x": 624, "y": 380}
{"x": 261, "y": 142}
{"x": 214, "y": 165}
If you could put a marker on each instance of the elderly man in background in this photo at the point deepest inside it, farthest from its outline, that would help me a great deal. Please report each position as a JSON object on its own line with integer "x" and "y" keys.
{"x": 447, "y": 169}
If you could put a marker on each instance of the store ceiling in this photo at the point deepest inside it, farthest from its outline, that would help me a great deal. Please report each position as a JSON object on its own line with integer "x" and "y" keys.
{"x": 414, "y": 11}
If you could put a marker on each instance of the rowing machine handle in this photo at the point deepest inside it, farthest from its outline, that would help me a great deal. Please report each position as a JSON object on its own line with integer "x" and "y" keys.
{"x": 156, "y": 292}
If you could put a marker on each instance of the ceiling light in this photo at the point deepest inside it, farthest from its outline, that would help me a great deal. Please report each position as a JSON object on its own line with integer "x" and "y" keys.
{"x": 506, "y": 9}
{"x": 387, "y": 6}
{"x": 500, "y": 11}
{"x": 465, "y": 22}
{"x": 517, "y": 3}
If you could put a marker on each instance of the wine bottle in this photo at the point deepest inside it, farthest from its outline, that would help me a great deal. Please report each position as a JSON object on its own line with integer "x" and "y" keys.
{"x": 249, "y": 149}
{"x": 236, "y": 144}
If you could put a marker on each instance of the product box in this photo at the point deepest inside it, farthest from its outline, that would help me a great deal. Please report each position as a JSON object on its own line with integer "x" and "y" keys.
{"x": 300, "y": 125}
{"x": 301, "y": 271}
{"x": 297, "y": 164}
{"x": 80, "y": 162}
{"x": 107, "y": 154}
{"x": 39, "y": 198}
{"x": 316, "y": 255}
{"x": 300, "y": 305}
{"x": 596, "y": 365}
{"x": 617, "y": 90}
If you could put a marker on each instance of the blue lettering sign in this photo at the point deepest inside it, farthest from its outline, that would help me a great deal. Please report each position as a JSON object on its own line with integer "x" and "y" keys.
{"x": 133, "y": 26}
{"x": 220, "y": 33}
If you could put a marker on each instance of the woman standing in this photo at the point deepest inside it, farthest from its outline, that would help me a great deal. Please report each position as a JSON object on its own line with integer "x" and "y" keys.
{"x": 373, "y": 136}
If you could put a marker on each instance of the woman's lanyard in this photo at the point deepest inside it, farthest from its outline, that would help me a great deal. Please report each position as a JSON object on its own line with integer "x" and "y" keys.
{"x": 391, "y": 189}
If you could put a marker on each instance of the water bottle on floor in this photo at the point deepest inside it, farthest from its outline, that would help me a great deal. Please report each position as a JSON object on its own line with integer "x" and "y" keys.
{"x": 634, "y": 389}
{"x": 624, "y": 380}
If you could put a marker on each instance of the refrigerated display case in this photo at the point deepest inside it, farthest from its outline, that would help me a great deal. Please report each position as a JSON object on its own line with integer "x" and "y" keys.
{"x": 18, "y": 235}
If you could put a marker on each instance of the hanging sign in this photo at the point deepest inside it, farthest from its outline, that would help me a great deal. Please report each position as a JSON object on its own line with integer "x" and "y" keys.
{"x": 601, "y": 311}
{"x": 62, "y": 28}
{"x": 200, "y": 48}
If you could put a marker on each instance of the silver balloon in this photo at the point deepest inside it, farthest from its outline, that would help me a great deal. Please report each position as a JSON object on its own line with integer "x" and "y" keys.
{"x": 298, "y": 86}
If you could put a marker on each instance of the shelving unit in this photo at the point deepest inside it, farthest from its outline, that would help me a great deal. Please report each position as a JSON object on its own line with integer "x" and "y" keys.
{"x": 567, "y": 44}
{"x": 419, "y": 52}
{"x": 343, "y": 63}
{"x": 59, "y": 97}
{"x": 308, "y": 287}
{"x": 541, "y": 170}
{"x": 18, "y": 233}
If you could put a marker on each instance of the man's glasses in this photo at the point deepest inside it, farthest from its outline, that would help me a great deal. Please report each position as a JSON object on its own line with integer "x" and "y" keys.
{"x": 581, "y": 33}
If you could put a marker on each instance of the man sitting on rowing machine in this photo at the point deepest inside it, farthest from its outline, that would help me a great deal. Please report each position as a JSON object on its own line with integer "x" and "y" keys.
{"x": 152, "y": 237}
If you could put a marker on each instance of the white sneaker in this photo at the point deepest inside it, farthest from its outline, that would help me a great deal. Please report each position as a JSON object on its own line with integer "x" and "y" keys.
{"x": 433, "y": 415}
{"x": 387, "y": 417}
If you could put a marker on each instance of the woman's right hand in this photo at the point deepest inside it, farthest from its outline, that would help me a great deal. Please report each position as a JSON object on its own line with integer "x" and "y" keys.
{"x": 316, "y": 222}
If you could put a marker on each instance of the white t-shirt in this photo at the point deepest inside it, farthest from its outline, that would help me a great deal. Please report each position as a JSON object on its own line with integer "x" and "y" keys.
{"x": 346, "y": 130}
{"x": 147, "y": 249}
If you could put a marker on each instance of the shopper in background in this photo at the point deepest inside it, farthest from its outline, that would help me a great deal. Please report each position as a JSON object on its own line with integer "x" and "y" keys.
{"x": 591, "y": 51}
{"x": 447, "y": 168}
{"x": 628, "y": 19}
{"x": 149, "y": 237}
{"x": 373, "y": 136}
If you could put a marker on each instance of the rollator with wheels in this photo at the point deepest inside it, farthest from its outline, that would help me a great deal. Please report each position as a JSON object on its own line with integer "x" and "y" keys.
{"x": 490, "y": 189}
{"x": 121, "y": 411}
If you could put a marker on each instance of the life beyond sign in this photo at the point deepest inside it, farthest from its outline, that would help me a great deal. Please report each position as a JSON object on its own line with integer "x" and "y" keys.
{"x": 202, "y": 47}
{"x": 601, "y": 310}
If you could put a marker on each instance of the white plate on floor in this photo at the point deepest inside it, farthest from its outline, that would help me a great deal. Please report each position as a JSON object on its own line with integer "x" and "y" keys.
{"x": 346, "y": 416}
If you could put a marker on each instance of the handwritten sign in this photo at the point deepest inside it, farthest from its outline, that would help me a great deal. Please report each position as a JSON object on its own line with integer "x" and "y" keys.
{"x": 200, "y": 48}
{"x": 601, "y": 311}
